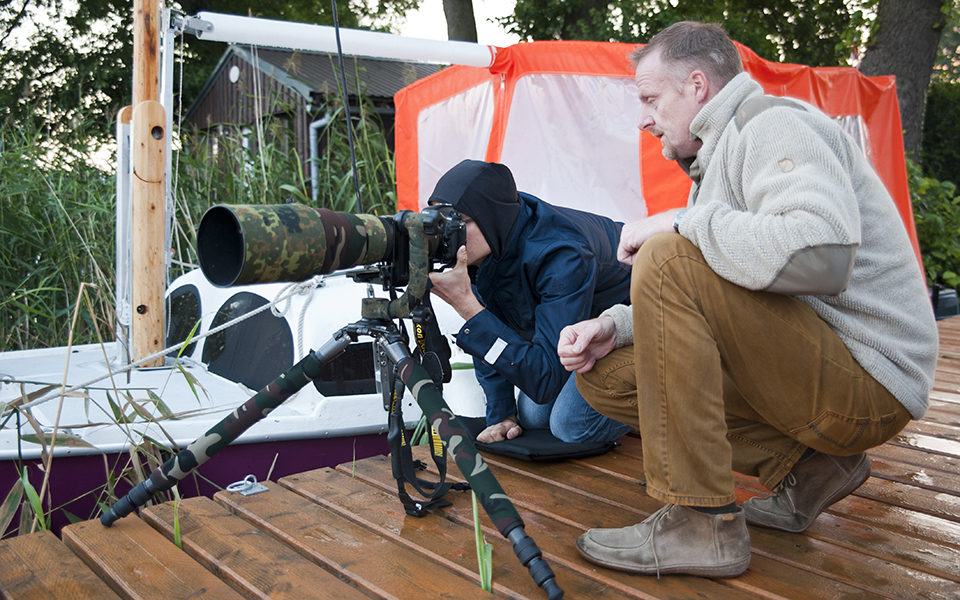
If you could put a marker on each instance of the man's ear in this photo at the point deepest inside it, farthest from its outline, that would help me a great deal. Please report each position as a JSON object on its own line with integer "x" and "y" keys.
{"x": 701, "y": 85}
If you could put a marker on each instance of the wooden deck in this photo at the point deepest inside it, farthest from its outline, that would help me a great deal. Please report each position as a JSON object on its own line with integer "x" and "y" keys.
{"x": 341, "y": 533}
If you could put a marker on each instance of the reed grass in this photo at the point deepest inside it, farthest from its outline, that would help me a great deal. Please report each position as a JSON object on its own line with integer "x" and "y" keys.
{"x": 58, "y": 215}
{"x": 57, "y": 280}
{"x": 56, "y": 232}
{"x": 484, "y": 549}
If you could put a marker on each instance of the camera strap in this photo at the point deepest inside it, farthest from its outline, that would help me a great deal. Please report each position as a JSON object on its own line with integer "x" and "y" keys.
{"x": 404, "y": 467}
{"x": 433, "y": 348}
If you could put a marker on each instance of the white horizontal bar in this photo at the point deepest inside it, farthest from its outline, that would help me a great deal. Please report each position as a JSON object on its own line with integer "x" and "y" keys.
{"x": 355, "y": 42}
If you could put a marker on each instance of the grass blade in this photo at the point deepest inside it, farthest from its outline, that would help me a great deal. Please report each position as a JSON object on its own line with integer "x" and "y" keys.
{"x": 484, "y": 550}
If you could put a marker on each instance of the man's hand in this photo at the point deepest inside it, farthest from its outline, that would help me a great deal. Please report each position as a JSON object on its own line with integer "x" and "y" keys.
{"x": 583, "y": 343}
{"x": 454, "y": 288}
{"x": 636, "y": 233}
{"x": 506, "y": 429}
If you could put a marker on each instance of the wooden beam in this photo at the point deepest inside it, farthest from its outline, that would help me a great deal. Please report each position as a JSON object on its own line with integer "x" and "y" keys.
{"x": 149, "y": 188}
{"x": 149, "y": 232}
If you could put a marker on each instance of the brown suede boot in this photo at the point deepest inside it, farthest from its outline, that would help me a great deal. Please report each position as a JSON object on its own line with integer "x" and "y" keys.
{"x": 673, "y": 540}
{"x": 807, "y": 490}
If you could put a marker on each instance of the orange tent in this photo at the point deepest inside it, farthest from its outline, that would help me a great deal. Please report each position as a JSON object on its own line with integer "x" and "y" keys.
{"x": 562, "y": 115}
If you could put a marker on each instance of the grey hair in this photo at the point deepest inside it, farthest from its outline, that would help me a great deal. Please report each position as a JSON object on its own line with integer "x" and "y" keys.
{"x": 691, "y": 45}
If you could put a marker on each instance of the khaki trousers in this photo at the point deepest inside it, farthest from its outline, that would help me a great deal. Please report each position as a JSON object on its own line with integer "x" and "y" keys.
{"x": 723, "y": 379}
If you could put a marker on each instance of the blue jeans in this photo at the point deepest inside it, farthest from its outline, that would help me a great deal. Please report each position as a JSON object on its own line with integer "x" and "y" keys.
{"x": 569, "y": 417}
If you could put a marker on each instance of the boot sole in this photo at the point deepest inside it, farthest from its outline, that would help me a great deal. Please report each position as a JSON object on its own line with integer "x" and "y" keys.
{"x": 719, "y": 571}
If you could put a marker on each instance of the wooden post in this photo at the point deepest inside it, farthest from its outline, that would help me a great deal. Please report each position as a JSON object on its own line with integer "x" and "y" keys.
{"x": 146, "y": 51}
{"x": 149, "y": 189}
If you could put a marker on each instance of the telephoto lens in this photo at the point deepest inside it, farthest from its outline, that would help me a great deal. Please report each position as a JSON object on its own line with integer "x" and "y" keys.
{"x": 243, "y": 244}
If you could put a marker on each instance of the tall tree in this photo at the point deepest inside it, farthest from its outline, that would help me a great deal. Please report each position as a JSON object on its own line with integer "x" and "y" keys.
{"x": 461, "y": 24}
{"x": 905, "y": 42}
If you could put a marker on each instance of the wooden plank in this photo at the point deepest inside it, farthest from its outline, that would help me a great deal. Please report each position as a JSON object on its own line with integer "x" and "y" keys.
{"x": 248, "y": 558}
{"x": 935, "y": 472}
{"x": 559, "y": 506}
{"x": 942, "y": 503}
{"x": 942, "y": 396}
{"x": 937, "y": 469}
{"x": 927, "y": 501}
{"x": 39, "y": 567}
{"x": 936, "y": 415}
{"x": 927, "y": 428}
{"x": 841, "y": 564}
{"x": 381, "y": 511}
{"x": 370, "y": 558}
{"x": 138, "y": 563}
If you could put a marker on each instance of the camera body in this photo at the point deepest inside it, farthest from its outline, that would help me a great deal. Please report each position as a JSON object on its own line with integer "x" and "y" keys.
{"x": 446, "y": 229}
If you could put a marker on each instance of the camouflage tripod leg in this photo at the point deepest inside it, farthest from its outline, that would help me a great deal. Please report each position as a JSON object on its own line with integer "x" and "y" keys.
{"x": 228, "y": 429}
{"x": 477, "y": 473}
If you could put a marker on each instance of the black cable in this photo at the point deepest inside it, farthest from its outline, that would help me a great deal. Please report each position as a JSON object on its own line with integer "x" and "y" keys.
{"x": 346, "y": 108}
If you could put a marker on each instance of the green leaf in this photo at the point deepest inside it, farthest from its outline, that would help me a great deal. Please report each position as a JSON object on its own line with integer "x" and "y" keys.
{"x": 10, "y": 504}
{"x": 34, "y": 498}
{"x": 176, "y": 518}
{"x": 161, "y": 405}
{"x": 64, "y": 440}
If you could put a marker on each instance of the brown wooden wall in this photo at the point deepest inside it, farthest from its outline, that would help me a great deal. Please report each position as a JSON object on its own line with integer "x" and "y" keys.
{"x": 234, "y": 104}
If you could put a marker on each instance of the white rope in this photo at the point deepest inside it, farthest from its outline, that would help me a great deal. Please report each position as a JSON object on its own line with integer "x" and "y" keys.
{"x": 297, "y": 288}
{"x": 305, "y": 290}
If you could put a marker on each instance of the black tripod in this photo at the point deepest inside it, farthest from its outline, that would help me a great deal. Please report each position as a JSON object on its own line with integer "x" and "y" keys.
{"x": 398, "y": 370}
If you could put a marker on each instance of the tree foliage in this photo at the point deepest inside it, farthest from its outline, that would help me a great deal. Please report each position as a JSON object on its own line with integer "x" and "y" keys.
{"x": 812, "y": 32}
{"x": 77, "y": 64}
{"x": 936, "y": 211}
{"x": 940, "y": 156}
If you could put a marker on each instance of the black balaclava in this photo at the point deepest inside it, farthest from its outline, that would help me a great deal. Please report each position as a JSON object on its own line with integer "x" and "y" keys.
{"x": 487, "y": 193}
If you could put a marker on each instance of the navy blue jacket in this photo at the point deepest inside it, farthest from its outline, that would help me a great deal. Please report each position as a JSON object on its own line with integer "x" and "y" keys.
{"x": 560, "y": 267}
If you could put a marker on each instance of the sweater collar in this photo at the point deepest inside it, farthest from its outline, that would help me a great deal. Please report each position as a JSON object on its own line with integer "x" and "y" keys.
{"x": 712, "y": 120}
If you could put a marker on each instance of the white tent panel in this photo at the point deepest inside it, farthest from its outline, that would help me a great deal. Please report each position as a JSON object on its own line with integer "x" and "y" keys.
{"x": 572, "y": 140}
{"x": 450, "y": 131}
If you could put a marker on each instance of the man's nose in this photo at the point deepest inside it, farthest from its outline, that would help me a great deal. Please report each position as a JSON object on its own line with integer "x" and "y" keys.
{"x": 644, "y": 121}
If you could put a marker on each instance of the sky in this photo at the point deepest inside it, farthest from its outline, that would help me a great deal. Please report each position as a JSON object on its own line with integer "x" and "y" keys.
{"x": 428, "y": 22}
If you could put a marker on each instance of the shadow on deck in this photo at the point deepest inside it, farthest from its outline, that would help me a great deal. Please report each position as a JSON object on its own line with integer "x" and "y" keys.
{"x": 342, "y": 533}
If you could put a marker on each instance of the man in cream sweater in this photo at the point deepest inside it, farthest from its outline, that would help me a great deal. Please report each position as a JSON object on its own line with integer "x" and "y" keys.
{"x": 779, "y": 325}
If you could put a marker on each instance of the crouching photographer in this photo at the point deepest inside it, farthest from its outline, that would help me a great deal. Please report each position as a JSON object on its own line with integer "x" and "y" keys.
{"x": 528, "y": 270}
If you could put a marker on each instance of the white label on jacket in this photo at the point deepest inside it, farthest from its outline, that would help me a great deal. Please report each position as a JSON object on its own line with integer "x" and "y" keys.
{"x": 495, "y": 351}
